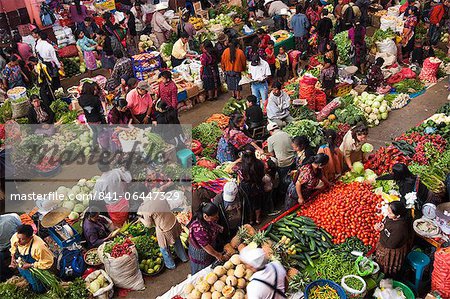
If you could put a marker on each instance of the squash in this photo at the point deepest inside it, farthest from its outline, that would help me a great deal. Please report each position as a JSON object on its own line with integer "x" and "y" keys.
{"x": 230, "y": 272}
{"x": 228, "y": 265}
{"x": 223, "y": 278}
{"x": 220, "y": 270}
{"x": 242, "y": 283}
{"x": 238, "y": 295}
{"x": 235, "y": 259}
{"x": 211, "y": 278}
{"x": 207, "y": 295}
{"x": 218, "y": 286}
{"x": 216, "y": 295}
{"x": 248, "y": 274}
{"x": 195, "y": 294}
{"x": 202, "y": 286}
{"x": 232, "y": 281}
{"x": 239, "y": 272}
{"x": 188, "y": 288}
{"x": 228, "y": 291}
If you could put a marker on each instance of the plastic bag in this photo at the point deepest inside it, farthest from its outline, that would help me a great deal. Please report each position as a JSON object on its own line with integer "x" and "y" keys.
{"x": 124, "y": 271}
{"x": 441, "y": 272}
{"x": 328, "y": 109}
{"x": 387, "y": 46}
{"x": 386, "y": 23}
{"x": 105, "y": 292}
{"x": 352, "y": 293}
{"x": 430, "y": 69}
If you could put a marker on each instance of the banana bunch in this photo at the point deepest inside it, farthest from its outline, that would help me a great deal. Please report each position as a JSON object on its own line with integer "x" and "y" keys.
{"x": 196, "y": 22}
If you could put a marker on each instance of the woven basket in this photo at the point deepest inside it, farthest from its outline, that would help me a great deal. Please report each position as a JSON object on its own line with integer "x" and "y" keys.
{"x": 20, "y": 109}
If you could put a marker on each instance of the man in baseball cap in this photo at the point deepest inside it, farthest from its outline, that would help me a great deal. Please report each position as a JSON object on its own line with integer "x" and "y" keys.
{"x": 231, "y": 210}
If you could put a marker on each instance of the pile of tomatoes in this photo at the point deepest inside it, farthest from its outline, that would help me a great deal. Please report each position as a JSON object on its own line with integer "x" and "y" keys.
{"x": 347, "y": 210}
{"x": 47, "y": 164}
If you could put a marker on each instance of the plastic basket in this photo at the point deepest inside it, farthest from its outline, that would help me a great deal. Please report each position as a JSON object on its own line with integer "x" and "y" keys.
{"x": 322, "y": 282}
{"x": 409, "y": 294}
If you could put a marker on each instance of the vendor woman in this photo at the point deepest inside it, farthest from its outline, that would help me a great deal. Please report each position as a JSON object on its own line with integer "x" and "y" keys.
{"x": 414, "y": 194}
{"x": 30, "y": 251}
{"x": 96, "y": 228}
{"x": 352, "y": 143}
{"x": 306, "y": 180}
{"x": 203, "y": 232}
{"x": 234, "y": 140}
{"x": 395, "y": 238}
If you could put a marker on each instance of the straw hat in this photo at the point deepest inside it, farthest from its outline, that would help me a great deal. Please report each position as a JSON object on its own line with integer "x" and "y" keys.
{"x": 54, "y": 217}
{"x": 267, "y": 2}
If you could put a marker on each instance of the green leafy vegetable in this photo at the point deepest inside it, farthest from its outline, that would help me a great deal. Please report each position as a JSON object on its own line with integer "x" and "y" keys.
{"x": 350, "y": 115}
{"x": 409, "y": 86}
{"x": 207, "y": 133}
{"x": 308, "y": 128}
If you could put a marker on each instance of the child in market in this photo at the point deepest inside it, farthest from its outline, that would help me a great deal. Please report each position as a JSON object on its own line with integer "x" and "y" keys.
{"x": 270, "y": 181}
{"x": 270, "y": 57}
{"x": 251, "y": 9}
{"x": 282, "y": 65}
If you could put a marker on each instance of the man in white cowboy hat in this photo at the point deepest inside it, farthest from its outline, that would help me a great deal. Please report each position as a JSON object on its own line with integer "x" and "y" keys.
{"x": 274, "y": 7}
{"x": 159, "y": 24}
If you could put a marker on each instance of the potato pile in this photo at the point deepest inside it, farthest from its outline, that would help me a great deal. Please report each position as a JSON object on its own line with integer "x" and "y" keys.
{"x": 227, "y": 281}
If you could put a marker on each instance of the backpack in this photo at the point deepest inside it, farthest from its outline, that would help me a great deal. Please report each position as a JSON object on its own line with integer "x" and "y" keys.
{"x": 71, "y": 263}
{"x": 46, "y": 15}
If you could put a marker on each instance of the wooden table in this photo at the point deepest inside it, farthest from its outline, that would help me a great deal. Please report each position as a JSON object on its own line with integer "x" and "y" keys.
{"x": 433, "y": 242}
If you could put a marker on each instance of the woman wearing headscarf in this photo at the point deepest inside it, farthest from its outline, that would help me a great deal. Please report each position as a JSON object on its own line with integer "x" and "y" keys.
{"x": 203, "y": 232}
{"x": 357, "y": 35}
{"x": 157, "y": 213}
{"x": 39, "y": 113}
{"x": 106, "y": 51}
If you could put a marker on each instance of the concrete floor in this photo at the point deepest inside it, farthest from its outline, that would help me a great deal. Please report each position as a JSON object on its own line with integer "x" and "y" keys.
{"x": 398, "y": 122}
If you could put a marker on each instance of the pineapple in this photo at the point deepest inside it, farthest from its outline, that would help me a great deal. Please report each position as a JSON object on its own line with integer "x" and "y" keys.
{"x": 243, "y": 235}
{"x": 267, "y": 246}
{"x": 259, "y": 238}
{"x": 250, "y": 230}
{"x": 229, "y": 250}
{"x": 235, "y": 241}
{"x": 292, "y": 272}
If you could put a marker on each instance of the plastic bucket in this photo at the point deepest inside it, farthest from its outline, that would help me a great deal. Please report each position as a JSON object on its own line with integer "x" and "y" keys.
{"x": 322, "y": 282}
{"x": 409, "y": 294}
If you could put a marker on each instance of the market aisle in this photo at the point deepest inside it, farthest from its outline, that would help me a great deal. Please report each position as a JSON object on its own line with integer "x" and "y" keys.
{"x": 403, "y": 119}
{"x": 398, "y": 122}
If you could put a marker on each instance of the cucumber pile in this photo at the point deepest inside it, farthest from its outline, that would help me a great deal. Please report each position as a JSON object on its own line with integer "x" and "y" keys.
{"x": 303, "y": 239}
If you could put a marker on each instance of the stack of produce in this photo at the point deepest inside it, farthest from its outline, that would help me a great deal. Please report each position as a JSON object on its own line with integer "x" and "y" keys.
{"x": 145, "y": 43}
{"x": 203, "y": 174}
{"x": 149, "y": 254}
{"x": 350, "y": 115}
{"x": 434, "y": 174}
{"x": 343, "y": 45}
{"x": 346, "y": 210}
{"x": 220, "y": 119}
{"x": 71, "y": 66}
{"x": 227, "y": 281}
{"x": 196, "y": 22}
{"x": 308, "y": 128}
{"x": 409, "y": 86}
{"x": 224, "y": 20}
{"x": 234, "y": 106}
{"x": 359, "y": 175}
{"x": 98, "y": 283}
{"x": 301, "y": 240}
{"x": 375, "y": 107}
{"x": 207, "y": 133}
{"x": 120, "y": 246}
{"x": 425, "y": 146}
{"x": 384, "y": 158}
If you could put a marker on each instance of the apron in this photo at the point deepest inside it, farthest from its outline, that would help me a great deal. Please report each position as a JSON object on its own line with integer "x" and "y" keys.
{"x": 36, "y": 285}
{"x": 273, "y": 286}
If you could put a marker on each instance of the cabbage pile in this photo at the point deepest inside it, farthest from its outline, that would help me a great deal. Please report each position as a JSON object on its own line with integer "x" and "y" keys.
{"x": 224, "y": 20}
{"x": 77, "y": 198}
{"x": 359, "y": 175}
{"x": 375, "y": 108}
